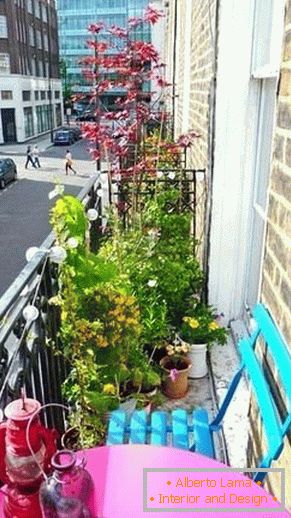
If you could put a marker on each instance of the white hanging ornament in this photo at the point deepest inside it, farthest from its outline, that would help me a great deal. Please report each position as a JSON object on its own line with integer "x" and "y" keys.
{"x": 72, "y": 242}
{"x": 30, "y": 313}
{"x": 92, "y": 214}
{"x": 30, "y": 253}
{"x": 57, "y": 254}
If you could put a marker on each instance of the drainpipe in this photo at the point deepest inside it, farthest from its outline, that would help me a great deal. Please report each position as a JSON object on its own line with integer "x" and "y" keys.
{"x": 174, "y": 68}
{"x": 211, "y": 143}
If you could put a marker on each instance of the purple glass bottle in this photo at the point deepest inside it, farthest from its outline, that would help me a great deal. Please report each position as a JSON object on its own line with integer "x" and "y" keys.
{"x": 66, "y": 492}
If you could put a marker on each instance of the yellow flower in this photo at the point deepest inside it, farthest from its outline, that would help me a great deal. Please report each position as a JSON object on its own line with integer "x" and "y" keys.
{"x": 110, "y": 389}
{"x": 213, "y": 325}
{"x": 193, "y": 323}
{"x": 186, "y": 319}
{"x": 102, "y": 342}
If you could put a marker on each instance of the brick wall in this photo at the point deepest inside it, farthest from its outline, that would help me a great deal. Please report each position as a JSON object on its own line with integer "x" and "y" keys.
{"x": 276, "y": 287}
{"x": 276, "y": 283}
{"x": 201, "y": 76}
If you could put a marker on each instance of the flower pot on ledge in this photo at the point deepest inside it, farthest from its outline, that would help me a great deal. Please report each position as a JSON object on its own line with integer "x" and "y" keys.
{"x": 197, "y": 355}
{"x": 175, "y": 385}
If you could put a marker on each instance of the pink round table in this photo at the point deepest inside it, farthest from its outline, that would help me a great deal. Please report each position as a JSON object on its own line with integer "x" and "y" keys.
{"x": 119, "y": 482}
{"x": 121, "y": 490}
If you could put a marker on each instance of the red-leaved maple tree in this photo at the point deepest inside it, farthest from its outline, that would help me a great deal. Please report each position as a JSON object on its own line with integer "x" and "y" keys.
{"x": 127, "y": 64}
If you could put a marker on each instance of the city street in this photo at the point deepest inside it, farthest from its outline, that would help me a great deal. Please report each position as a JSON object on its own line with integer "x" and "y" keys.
{"x": 24, "y": 204}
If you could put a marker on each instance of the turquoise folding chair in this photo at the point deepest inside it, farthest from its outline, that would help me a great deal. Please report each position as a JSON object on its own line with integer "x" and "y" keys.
{"x": 193, "y": 431}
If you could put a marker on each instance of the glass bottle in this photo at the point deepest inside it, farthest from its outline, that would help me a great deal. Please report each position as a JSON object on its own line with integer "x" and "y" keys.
{"x": 66, "y": 492}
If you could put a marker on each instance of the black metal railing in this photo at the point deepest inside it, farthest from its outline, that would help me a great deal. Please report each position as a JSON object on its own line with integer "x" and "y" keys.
{"x": 27, "y": 360}
{"x": 130, "y": 191}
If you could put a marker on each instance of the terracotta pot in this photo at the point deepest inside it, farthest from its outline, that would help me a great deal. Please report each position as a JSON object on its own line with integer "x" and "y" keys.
{"x": 178, "y": 388}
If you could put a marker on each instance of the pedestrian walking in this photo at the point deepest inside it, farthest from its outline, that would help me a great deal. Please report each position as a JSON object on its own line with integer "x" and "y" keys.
{"x": 35, "y": 156}
{"x": 69, "y": 162}
{"x": 29, "y": 159}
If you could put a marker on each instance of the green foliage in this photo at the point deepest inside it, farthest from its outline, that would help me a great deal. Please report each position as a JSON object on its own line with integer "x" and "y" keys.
{"x": 157, "y": 258}
{"x": 200, "y": 326}
{"x": 68, "y": 219}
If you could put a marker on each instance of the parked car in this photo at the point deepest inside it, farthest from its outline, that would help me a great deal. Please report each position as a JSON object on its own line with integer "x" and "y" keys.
{"x": 8, "y": 171}
{"x": 87, "y": 116}
{"x": 75, "y": 129}
{"x": 64, "y": 137}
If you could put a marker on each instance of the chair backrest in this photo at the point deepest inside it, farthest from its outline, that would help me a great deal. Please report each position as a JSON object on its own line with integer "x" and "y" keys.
{"x": 276, "y": 418}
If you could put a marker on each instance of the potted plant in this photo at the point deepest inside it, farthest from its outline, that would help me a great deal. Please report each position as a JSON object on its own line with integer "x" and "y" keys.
{"x": 200, "y": 330}
{"x": 176, "y": 366}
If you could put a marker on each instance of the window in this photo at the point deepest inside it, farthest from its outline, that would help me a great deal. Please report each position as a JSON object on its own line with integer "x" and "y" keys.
{"x": 57, "y": 94}
{"x": 44, "y": 13}
{"x": 36, "y": 95}
{"x": 29, "y": 6}
{"x": 38, "y": 40}
{"x": 6, "y": 95}
{"x": 42, "y": 95}
{"x": 3, "y": 27}
{"x": 45, "y": 40}
{"x": 26, "y": 95}
{"x": 4, "y": 63}
{"x": 31, "y": 36}
{"x": 28, "y": 122}
{"x": 37, "y": 9}
{"x": 33, "y": 66}
{"x": 269, "y": 19}
{"x": 266, "y": 55}
{"x": 49, "y": 94}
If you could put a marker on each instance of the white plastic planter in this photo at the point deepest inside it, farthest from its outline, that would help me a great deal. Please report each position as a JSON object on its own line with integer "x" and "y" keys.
{"x": 197, "y": 355}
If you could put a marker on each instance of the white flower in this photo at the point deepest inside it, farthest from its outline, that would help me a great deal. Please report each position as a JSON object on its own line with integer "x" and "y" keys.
{"x": 152, "y": 283}
{"x": 154, "y": 233}
{"x": 30, "y": 313}
{"x": 30, "y": 252}
{"x": 171, "y": 175}
{"x": 57, "y": 254}
{"x": 160, "y": 174}
{"x": 72, "y": 242}
{"x": 58, "y": 191}
{"x": 99, "y": 193}
{"x": 92, "y": 214}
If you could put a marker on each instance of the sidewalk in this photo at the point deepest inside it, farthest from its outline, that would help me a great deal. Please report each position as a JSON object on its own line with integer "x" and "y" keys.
{"x": 43, "y": 142}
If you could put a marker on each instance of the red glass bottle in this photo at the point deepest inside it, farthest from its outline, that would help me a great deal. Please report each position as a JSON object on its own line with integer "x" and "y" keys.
{"x": 66, "y": 492}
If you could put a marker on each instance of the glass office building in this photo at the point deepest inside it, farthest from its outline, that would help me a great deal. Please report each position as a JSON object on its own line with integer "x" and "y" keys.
{"x": 74, "y": 16}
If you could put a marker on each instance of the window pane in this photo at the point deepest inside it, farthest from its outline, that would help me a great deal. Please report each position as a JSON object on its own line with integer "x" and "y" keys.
{"x": 6, "y": 95}
{"x": 26, "y": 95}
{"x": 28, "y": 122}
{"x": 3, "y": 27}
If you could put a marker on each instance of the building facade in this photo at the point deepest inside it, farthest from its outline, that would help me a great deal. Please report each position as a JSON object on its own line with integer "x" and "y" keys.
{"x": 230, "y": 65}
{"x": 30, "y": 88}
{"x": 74, "y": 16}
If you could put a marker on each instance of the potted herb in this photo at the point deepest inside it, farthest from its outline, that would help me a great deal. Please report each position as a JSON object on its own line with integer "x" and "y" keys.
{"x": 176, "y": 367}
{"x": 200, "y": 330}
